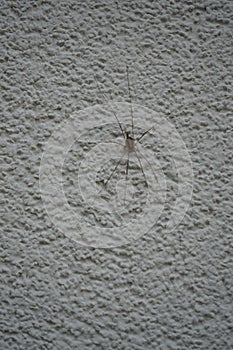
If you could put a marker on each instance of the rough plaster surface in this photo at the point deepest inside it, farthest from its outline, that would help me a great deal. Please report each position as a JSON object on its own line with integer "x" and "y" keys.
{"x": 163, "y": 291}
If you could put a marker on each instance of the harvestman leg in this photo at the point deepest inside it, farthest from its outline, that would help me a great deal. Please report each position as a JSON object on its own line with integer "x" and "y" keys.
{"x": 138, "y": 140}
{"x": 127, "y": 171}
{"x": 143, "y": 134}
{"x": 141, "y": 167}
{"x": 119, "y": 124}
{"x": 113, "y": 171}
{"x": 147, "y": 163}
{"x": 112, "y": 110}
{"x": 126, "y": 175}
{"x": 130, "y": 100}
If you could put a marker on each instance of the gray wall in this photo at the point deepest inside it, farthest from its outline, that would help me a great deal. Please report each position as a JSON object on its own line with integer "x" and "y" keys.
{"x": 165, "y": 290}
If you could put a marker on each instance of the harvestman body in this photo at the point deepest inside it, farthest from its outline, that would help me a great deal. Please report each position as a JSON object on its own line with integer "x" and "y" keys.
{"x": 129, "y": 143}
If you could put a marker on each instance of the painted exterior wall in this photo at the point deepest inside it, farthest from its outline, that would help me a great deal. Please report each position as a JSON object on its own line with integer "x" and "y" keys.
{"x": 167, "y": 289}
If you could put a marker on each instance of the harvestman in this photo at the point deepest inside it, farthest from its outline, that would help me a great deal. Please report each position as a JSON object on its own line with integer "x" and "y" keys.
{"x": 129, "y": 138}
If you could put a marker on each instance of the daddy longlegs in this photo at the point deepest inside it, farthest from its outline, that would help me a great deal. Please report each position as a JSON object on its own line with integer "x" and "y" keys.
{"x": 130, "y": 141}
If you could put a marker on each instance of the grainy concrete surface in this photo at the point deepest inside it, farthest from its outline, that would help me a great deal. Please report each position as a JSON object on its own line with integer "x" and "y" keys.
{"x": 163, "y": 291}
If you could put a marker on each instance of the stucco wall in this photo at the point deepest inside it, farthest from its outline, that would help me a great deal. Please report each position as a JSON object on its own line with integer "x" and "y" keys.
{"x": 166, "y": 289}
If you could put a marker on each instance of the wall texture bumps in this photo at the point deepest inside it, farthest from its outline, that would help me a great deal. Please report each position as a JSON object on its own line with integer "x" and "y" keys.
{"x": 163, "y": 291}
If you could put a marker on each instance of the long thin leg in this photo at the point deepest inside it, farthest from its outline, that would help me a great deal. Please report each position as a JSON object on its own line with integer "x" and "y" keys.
{"x": 141, "y": 167}
{"x": 130, "y": 100}
{"x": 107, "y": 101}
{"x": 126, "y": 175}
{"x": 147, "y": 163}
{"x": 143, "y": 134}
{"x": 113, "y": 171}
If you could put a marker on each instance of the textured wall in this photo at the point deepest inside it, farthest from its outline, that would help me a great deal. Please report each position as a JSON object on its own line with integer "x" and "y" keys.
{"x": 164, "y": 290}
